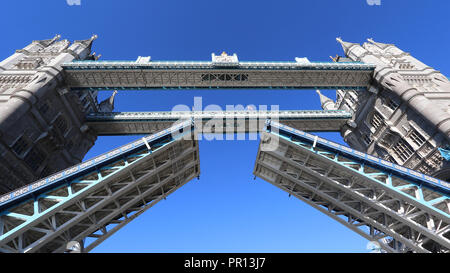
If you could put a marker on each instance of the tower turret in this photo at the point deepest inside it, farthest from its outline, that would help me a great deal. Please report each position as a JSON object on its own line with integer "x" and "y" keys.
{"x": 108, "y": 104}
{"x": 41, "y": 122}
{"x": 351, "y": 50}
{"x": 326, "y": 102}
{"x": 400, "y": 117}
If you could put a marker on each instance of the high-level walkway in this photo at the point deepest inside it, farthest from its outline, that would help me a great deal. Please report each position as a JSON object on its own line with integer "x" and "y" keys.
{"x": 124, "y": 123}
{"x": 102, "y": 75}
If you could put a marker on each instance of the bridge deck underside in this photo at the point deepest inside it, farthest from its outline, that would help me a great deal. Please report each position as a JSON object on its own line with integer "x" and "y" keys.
{"x": 217, "y": 78}
{"x": 92, "y": 207}
{"x": 399, "y": 215}
{"x": 217, "y": 122}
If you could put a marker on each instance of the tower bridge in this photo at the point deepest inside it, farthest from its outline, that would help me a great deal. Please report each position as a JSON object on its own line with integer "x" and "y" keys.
{"x": 390, "y": 186}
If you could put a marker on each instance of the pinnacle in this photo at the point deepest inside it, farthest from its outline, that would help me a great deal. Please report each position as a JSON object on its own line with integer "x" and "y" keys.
{"x": 345, "y": 45}
{"x": 380, "y": 45}
{"x": 325, "y": 102}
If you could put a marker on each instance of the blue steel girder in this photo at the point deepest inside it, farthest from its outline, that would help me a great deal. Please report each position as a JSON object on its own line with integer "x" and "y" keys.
{"x": 399, "y": 208}
{"x": 96, "y": 198}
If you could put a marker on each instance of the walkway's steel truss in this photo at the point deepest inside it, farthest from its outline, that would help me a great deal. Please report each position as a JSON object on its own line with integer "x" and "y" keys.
{"x": 96, "y": 75}
{"x": 123, "y": 123}
{"x": 401, "y": 209}
{"x": 96, "y": 198}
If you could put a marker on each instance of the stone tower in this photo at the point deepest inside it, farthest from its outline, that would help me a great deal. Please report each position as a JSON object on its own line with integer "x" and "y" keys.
{"x": 41, "y": 123}
{"x": 405, "y": 115}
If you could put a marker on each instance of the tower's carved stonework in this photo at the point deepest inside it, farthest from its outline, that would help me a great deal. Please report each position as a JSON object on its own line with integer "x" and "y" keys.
{"x": 405, "y": 116}
{"x": 41, "y": 123}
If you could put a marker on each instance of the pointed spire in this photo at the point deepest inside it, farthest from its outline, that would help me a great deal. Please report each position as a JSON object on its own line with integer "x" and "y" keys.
{"x": 48, "y": 42}
{"x": 380, "y": 45}
{"x": 87, "y": 43}
{"x": 346, "y": 45}
{"x": 326, "y": 102}
{"x": 56, "y": 38}
{"x": 108, "y": 104}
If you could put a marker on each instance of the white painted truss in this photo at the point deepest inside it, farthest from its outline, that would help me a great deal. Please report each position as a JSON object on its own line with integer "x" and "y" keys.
{"x": 393, "y": 210}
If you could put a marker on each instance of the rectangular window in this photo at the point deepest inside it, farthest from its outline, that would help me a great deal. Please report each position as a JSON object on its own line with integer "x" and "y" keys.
{"x": 417, "y": 138}
{"x": 367, "y": 139}
{"x": 403, "y": 150}
{"x": 376, "y": 121}
{"x": 393, "y": 105}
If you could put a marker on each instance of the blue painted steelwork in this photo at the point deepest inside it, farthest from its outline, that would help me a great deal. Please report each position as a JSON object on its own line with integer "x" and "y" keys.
{"x": 385, "y": 167}
{"x": 63, "y": 177}
{"x": 445, "y": 153}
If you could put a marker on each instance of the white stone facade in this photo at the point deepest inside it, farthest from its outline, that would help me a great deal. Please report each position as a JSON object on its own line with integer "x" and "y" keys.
{"x": 41, "y": 123}
{"x": 405, "y": 115}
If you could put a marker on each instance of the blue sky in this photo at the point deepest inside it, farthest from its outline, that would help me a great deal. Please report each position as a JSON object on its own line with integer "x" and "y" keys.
{"x": 226, "y": 210}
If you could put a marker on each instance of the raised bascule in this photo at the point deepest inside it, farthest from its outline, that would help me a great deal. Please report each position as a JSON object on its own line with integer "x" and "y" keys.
{"x": 390, "y": 186}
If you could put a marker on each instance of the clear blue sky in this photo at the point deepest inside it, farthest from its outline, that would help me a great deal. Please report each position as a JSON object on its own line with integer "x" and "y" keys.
{"x": 226, "y": 210}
